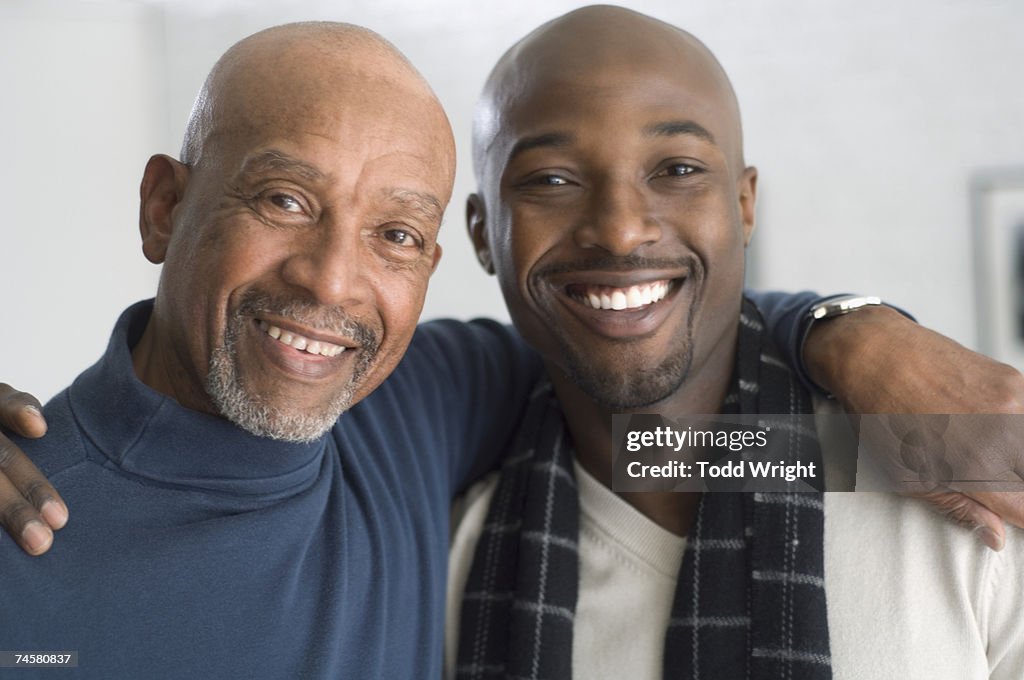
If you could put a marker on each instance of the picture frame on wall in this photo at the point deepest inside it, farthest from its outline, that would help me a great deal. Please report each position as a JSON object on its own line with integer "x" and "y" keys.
{"x": 997, "y": 215}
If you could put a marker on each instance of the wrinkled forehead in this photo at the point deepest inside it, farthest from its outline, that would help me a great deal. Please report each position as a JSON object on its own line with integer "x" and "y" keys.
{"x": 345, "y": 100}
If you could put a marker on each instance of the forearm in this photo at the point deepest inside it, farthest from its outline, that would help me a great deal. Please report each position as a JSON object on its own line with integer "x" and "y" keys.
{"x": 838, "y": 353}
{"x": 876, "y": 360}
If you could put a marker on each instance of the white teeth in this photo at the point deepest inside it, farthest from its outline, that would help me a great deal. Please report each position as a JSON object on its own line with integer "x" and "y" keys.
{"x": 633, "y": 297}
{"x": 618, "y": 300}
{"x": 302, "y": 343}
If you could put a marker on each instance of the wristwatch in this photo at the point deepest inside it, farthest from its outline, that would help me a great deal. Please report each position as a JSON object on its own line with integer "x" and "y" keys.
{"x": 829, "y": 309}
{"x": 838, "y": 306}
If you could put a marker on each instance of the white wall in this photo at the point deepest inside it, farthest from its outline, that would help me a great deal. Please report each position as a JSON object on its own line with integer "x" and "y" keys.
{"x": 866, "y": 120}
{"x": 81, "y": 107}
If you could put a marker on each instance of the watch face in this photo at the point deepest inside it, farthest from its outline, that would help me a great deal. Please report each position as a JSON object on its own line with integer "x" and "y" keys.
{"x": 843, "y": 305}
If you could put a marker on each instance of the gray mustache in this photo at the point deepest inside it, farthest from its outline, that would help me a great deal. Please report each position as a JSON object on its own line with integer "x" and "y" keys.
{"x": 332, "y": 320}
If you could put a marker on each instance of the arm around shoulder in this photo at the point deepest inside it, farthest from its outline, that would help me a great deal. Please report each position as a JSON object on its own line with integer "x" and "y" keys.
{"x": 30, "y": 508}
{"x": 482, "y": 374}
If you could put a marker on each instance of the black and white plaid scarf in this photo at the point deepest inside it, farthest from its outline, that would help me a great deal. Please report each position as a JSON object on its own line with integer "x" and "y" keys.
{"x": 750, "y": 599}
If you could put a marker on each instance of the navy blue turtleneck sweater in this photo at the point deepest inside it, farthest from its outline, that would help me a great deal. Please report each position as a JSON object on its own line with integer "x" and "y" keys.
{"x": 196, "y": 550}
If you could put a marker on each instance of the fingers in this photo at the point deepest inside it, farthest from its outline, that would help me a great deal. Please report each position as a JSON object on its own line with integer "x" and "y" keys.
{"x": 1009, "y": 505}
{"x": 21, "y": 412}
{"x": 22, "y": 521}
{"x": 968, "y": 513}
{"x": 30, "y": 508}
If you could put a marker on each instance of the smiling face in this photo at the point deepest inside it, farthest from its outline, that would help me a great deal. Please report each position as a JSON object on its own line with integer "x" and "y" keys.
{"x": 616, "y": 208}
{"x": 298, "y": 247}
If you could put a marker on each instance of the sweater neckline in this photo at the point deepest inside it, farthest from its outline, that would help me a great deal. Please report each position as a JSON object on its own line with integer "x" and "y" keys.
{"x": 150, "y": 435}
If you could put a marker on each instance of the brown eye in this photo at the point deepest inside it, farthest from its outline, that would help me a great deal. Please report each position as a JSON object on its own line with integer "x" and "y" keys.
{"x": 548, "y": 180}
{"x": 286, "y": 203}
{"x": 680, "y": 169}
{"x": 400, "y": 237}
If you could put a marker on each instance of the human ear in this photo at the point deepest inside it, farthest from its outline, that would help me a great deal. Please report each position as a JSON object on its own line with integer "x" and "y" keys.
{"x": 748, "y": 196}
{"x": 437, "y": 257}
{"x": 163, "y": 186}
{"x": 476, "y": 224}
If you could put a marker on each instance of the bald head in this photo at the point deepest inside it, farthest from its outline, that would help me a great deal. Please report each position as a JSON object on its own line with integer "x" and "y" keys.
{"x": 308, "y": 71}
{"x": 317, "y": 166}
{"x": 592, "y": 44}
{"x": 614, "y": 207}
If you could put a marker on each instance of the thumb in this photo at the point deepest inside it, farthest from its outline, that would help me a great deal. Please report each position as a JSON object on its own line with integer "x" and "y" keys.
{"x": 968, "y": 513}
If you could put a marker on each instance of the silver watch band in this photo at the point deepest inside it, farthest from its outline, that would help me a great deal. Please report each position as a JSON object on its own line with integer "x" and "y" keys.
{"x": 842, "y": 305}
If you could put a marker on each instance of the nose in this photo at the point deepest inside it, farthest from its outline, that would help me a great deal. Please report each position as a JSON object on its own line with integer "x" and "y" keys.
{"x": 618, "y": 219}
{"x": 329, "y": 263}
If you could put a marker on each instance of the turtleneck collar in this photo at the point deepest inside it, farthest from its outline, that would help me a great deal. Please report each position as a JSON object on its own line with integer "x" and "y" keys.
{"x": 151, "y": 435}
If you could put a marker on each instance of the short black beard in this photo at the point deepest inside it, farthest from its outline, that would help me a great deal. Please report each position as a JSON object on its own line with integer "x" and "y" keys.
{"x": 631, "y": 389}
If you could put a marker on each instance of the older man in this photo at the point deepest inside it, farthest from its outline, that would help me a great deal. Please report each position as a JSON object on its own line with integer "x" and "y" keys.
{"x": 609, "y": 160}
{"x": 297, "y": 239}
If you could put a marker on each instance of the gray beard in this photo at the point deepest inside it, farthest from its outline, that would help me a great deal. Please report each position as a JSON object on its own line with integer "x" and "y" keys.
{"x": 256, "y": 413}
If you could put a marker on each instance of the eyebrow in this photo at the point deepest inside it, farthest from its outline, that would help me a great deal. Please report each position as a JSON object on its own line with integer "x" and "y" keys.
{"x": 273, "y": 160}
{"x": 425, "y": 204}
{"x": 553, "y": 139}
{"x": 671, "y": 128}
{"x": 663, "y": 129}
